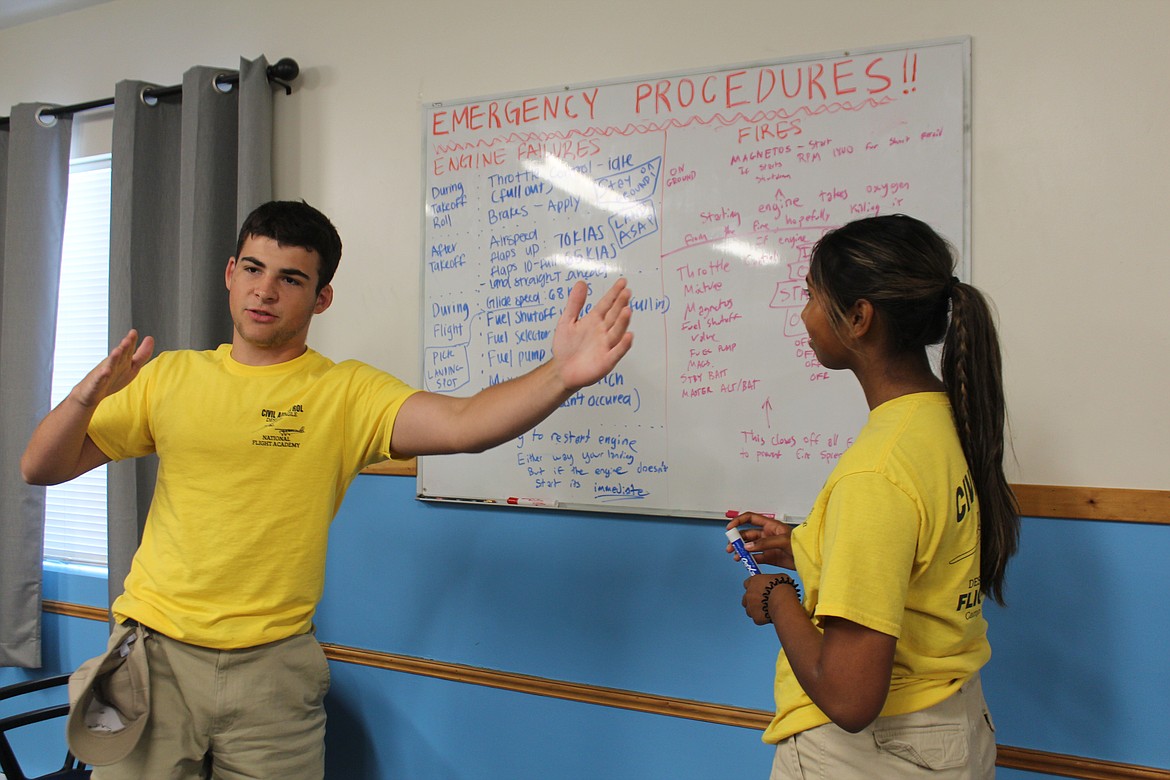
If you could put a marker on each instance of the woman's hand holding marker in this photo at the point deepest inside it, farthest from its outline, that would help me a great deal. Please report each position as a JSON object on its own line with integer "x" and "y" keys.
{"x": 765, "y": 538}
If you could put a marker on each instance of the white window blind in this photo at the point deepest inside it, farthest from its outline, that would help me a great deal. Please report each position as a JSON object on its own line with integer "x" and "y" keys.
{"x": 75, "y": 512}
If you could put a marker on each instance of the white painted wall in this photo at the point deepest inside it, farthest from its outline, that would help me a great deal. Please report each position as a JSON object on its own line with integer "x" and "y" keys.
{"x": 1071, "y": 167}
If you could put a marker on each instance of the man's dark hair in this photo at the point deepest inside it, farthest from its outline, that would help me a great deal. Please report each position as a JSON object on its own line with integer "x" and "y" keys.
{"x": 296, "y": 223}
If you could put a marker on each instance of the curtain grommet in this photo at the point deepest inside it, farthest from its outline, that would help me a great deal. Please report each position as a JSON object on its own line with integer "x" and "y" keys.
{"x": 225, "y": 86}
{"x": 45, "y": 120}
{"x": 147, "y": 98}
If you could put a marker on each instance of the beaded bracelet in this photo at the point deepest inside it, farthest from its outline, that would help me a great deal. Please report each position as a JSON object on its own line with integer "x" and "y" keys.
{"x": 782, "y": 579}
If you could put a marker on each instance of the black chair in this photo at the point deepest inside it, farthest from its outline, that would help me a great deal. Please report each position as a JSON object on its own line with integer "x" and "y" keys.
{"x": 73, "y": 769}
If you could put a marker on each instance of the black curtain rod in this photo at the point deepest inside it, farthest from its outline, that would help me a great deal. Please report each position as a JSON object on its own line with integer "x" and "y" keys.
{"x": 281, "y": 72}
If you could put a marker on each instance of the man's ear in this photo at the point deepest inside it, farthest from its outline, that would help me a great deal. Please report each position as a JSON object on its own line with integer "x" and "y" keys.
{"x": 227, "y": 274}
{"x": 324, "y": 299}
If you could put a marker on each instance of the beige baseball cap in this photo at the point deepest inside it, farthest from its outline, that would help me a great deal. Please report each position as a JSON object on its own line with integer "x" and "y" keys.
{"x": 109, "y": 698}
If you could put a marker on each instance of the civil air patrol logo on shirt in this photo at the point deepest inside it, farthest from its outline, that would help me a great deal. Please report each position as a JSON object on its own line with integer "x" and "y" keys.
{"x": 964, "y": 506}
{"x": 279, "y": 428}
{"x": 970, "y": 600}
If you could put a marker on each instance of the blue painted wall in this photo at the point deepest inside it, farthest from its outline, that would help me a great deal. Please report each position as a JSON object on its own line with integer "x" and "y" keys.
{"x": 1081, "y": 656}
{"x": 616, "y": 601}
{"x": 651, "y": 604}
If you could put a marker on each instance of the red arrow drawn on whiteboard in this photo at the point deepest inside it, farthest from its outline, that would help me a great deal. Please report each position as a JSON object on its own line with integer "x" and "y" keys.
{"x": 767, "y": 407}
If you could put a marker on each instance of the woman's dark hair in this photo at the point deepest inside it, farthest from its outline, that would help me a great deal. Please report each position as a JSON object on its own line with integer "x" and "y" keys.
{"x": 296, "y": 223}
{"x": 906, "y": 271}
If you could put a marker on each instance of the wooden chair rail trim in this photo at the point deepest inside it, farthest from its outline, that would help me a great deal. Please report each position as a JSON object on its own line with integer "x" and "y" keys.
{"x": 1010, "y": 757}
{"x": 558, "y": 689}
{"x": 1074, "y": 766}
{"x": 1057, "y": 501}
{"x": 75, "y": 610}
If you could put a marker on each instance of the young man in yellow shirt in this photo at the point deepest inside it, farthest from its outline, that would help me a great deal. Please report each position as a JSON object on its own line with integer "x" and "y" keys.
{"x": 258, "y": 441}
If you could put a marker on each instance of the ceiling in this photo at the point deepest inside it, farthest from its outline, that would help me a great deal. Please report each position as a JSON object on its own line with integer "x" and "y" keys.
{"x": 16, "y": 12}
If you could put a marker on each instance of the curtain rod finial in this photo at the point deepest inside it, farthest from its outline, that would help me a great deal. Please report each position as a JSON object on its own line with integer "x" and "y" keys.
{"x": 285, "y": 69}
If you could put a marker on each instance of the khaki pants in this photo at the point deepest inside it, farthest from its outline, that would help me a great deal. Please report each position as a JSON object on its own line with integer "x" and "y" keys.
{"x": 231, "y": 714}
{"x": 953, "y": 740}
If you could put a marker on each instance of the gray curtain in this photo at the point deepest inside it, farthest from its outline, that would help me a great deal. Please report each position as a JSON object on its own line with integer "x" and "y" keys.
{"x": 34, "y": 181}
{"x": 185, "y": 173}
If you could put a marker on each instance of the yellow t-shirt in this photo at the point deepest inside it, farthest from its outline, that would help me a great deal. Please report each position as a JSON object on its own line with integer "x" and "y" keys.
{"x": 253, "y": 465}
{"x": 892, "y": 543}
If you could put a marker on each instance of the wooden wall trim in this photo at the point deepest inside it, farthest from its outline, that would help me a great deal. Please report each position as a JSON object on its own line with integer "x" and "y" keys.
{"x": 1074, "y": 766}
{"x": 396, "y": 468}
{"x": 558, "y": 689}
{"x": 1057, "y": 501}
{"x": 75, "y": 610}
{"x": 1093, "y": 503}
{"x": 1011, "y": 757}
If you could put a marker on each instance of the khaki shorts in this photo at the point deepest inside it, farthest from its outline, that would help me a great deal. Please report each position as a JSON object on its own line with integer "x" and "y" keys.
{"x": 231, "y": 714}
{"x": 953, "y": 740}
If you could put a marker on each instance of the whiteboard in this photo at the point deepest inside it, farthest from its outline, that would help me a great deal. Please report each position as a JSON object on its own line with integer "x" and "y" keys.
{"x": 707, "y": 190}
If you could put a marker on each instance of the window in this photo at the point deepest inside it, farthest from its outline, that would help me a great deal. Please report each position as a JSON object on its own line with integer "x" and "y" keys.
{"x": 75, "y": 512}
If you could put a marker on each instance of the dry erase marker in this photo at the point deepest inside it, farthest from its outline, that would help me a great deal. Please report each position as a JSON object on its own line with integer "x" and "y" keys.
{"x": 736, "y": 540}
{"x": 530, "y": 502}
{"x": 731, "y": 514}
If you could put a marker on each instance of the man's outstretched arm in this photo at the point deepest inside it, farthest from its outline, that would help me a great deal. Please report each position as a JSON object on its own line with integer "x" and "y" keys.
{"x": 585, "y": 349}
